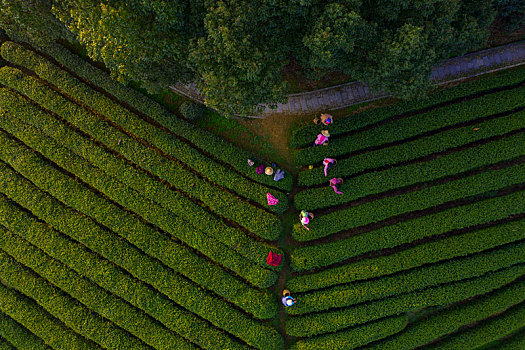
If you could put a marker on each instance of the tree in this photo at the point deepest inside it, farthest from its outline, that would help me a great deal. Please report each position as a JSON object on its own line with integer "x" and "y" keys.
{"x": 143, "y": 40}
{"x": 240, "y": 57}
{"x": 31, "y": 20}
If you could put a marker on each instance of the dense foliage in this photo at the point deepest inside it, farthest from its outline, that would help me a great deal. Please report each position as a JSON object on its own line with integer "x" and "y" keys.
{"x": 235, "y": 50}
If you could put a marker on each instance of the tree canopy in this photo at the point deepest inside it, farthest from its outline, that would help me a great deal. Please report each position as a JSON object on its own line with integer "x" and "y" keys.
{"x": 235, "y": 50}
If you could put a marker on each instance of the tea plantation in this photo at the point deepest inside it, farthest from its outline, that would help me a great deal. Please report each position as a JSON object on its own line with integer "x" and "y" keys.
{"x": 123, "y": 226}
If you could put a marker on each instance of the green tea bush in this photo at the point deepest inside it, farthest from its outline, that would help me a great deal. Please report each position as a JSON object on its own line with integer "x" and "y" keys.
{"x": 109, "y": 275}
{"x": 178, "y": 258}
{"x": 177, "y": 204}
{"x": 415, "y": 125}
{"x": 381, "y": 181}
{"x": 18, "y": 336}
{"x": 307, "y": 258}
{"x": 257, "y": 220}
{"x": 128, "y": 198}
{"x": 450, "y": 320}
{"x": 213, "y": 144}
{"x": 33, "y": 317}
{"x": 419, "y": 148}
{"x": 87, "y": 320}
{"x": 425, "y": 198}
{"x": 420, "y": 255}
{"x": 191, "y": 110}
{"x": 516, "y": 341}
{"x": 305, "y": 135}
{"x": 409, "y": 281}
{"x": 334, "y": 320}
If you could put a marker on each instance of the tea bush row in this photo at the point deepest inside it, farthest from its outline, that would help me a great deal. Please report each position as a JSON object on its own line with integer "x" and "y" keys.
{"x": 415, "y": 149}
{"x": 159, "y": 192}
{"x": 257, "y": 220}
{"x": 307, "y": 258}
{"x": 420, "y": 255}
{"x": 448, "y": 165}
{"x": 126, "y": 197}
{"x": 335, "y": 320}
{"x": 428, "y": 197}
{"x": 18, "y": 336}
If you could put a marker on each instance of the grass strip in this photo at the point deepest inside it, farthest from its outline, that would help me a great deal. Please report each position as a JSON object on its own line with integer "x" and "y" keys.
{"x": 416, "y": 149}
{"x": 147, "y": 186}
{"x": 118, "y": 297}
{"x": 425, "y": 198}
{"x": 109, "y": 275}
{"x": 427, "y": 253}
{"x": 163, "y": 140}
{"x": 128, "y": 198}
{"x": 18, "y": 336}
{"x": 78, "y": 316}
{"x": 334, "y": 320}
{"x": 256, "y": 220}
{"x": 38, "y": 321}
{"x": 207, "y": 141}
{"x": 160, "y": 247}
{"x": 415, "y": 125}
{"x": 450, "y": 320}
{"x": 354, "y": 337}
{"x": 484, "y": 332}
{"x": 307, "y": 258}
{"x": 305, "y": 135}
{"x": 416, "y": 279}
{"x": 381, "y": 181}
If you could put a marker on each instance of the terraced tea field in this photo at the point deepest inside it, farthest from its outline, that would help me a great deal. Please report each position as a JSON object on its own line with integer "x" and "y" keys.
{"x": 123, "y": 226}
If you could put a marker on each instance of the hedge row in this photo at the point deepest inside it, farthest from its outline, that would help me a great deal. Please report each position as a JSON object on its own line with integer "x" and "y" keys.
{"x": 486, "y": 331}
{"x": 418, "y": 148}
{"x": 305, "y": 136}
{"x": 381, "y": 181}
{"x": 19, "y": 336}
{"x": 221, "y": 149}
{"x": 409, "y": 281}
{"x": 306, "y": 258}
{"x": 335, "y": 320}
{"x": 147, "y": 186}
{"x": 257, "y": 220}
{"x": 38, "y": 321}
{"x": 80, "y": 317}
{"x": 447, "y": 248}
{"x": 121, "y": 304}
{"x": 425, "y": 198}
{"x": 450, "y": 320}
{"x": 108, "y": 275}
{"x": 354, "y": 337}
{"x": 415, "y": 125}
{"x": 159, "y": 138}
{"x": 126, "y": 197}
{"x": 150, "y": 247}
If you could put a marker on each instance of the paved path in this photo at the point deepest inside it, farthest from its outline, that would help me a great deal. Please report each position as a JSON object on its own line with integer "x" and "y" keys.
{"x": 345, "y": 95}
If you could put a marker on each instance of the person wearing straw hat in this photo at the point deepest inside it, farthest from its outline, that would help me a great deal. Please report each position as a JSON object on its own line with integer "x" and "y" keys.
{"x": 305, "y": 218}
{"x": 322, "y": 138}
{"x": 287, "y": 299}
{"x": 325, "y": 119}
{"x": 334, "y": 182}
{"x": 268, "y": 171}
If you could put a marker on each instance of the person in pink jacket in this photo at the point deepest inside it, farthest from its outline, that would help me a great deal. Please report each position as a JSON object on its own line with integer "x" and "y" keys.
{"x": 334, "y": 182}
{"x": 328, "y": 163}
